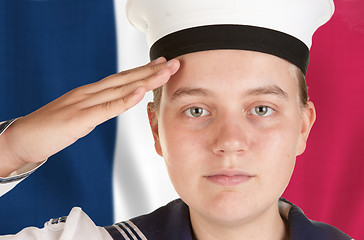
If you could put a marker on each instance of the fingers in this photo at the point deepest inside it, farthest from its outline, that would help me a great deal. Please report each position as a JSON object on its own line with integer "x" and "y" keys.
{"x": 132, "y": 75}
{"x": 111, "y": 102}
{"x": 114, "y": 88}
{"x": 114, "y": 93}
{"x": 121, "y": 91}
{"x": 157, "y": 61}
{"x": 155, "y": 80}
{"x": 100, "y": 113}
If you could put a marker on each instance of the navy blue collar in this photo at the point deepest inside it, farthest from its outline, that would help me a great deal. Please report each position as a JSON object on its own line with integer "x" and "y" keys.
{"x": 169, "y": 222}
{"x": 173, "y": 222}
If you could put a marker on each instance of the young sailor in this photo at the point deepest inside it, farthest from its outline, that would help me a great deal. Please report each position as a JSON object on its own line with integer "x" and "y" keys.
{"x": 230, "y": 115}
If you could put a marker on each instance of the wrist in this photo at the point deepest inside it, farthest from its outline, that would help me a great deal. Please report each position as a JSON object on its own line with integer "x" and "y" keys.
{"x": 8, "y": 160}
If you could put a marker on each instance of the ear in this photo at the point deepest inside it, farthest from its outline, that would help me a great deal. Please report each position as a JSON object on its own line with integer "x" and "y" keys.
{"x": 308, "y": 118}
{"x": 153, "y": 122}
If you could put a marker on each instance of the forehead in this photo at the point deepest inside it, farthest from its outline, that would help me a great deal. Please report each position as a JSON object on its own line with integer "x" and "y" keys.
{"x": 231, "y": 72}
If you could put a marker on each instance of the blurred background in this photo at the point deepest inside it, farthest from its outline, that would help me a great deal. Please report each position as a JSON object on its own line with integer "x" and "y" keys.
{"x": 48, "y": 47}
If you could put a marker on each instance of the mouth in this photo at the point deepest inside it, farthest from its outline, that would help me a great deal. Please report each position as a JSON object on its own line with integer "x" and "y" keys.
{"x": 229, "y": 177}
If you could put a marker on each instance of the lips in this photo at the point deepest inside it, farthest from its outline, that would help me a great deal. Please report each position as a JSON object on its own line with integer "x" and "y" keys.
{"x": 229, "y": 177}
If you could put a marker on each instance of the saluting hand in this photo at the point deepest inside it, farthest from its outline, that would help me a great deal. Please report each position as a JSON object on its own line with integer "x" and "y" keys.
{"x": 48, "y": 130}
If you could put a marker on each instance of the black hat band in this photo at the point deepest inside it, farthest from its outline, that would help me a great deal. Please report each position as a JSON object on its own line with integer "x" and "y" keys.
{"x": 240, "y": 37}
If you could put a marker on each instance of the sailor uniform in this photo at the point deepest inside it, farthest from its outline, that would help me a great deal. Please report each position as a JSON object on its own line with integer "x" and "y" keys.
{"x": 172, "y": 222}
{"x": 6, "y": 124}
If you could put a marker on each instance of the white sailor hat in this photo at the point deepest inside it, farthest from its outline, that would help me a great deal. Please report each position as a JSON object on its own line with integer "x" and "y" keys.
{"x": 283, "y": 28}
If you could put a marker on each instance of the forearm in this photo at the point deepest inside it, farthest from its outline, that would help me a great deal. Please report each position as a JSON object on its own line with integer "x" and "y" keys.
{"x": 8, "y": 163}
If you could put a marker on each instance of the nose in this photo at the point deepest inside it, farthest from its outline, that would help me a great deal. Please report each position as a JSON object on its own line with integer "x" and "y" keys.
{"x": 231, "y": 137}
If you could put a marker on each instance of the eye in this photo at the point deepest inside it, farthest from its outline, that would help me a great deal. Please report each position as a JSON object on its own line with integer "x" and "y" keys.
{"x": 196, "y": 112}
{"x": 262, "y": 111}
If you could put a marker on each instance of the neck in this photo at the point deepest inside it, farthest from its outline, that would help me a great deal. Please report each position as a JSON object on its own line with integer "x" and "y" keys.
{"x": 267, "y": 226}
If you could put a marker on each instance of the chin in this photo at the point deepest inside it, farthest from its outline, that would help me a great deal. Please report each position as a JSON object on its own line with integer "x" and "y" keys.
{"x": 229, "y": 207}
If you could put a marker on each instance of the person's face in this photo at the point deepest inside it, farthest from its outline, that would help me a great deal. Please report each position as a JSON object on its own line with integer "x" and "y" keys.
{"x": 229, "y": 128}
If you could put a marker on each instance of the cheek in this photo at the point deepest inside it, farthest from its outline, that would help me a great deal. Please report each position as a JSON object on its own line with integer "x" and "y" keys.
{"x": 180, "y": 148}
{"x": 186, "y": 152}
{"x": 276, "y": 149}
{"x": 279, "y": 140}
{"x": 182, "y": 155}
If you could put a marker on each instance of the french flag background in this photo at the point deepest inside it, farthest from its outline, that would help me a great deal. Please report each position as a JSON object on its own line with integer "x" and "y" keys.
{"x": 48, "y": 47}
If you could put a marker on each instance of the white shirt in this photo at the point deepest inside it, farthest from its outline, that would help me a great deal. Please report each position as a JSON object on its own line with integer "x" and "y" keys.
{"x": 77, "y": 225}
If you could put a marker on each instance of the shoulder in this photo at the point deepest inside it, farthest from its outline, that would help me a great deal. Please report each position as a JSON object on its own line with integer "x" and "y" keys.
{"x": 302, "y": 227}
{"x": 77, "y": 225}
{"x": 168, "y": 222}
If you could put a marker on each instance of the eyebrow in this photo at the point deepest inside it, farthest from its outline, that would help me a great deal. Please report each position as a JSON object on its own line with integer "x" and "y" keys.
{"x": 266, "y": 90}
{"x": 185, "y": 91}
{"x": 269, "y": 90}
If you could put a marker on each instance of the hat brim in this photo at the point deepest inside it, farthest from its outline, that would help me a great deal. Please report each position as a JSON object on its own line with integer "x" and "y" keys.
{"x": 240, "y": 37}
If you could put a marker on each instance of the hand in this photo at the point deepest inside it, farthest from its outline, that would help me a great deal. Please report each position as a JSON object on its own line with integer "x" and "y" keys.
{"x": 48, "y": 130}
